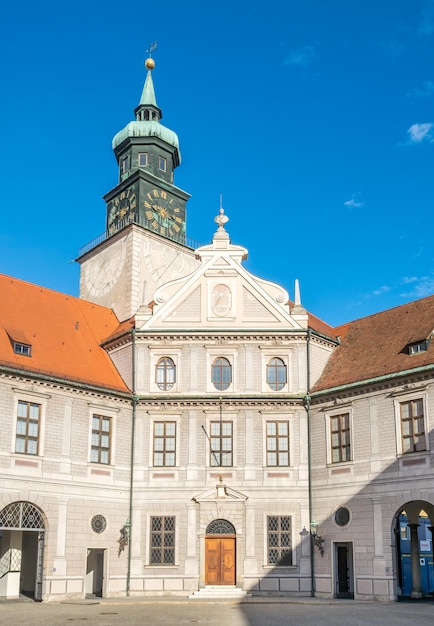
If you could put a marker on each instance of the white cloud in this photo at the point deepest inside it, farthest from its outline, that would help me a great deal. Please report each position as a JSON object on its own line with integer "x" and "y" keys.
{"x": 301, "y": 56}
{"x": 418, "y": 287}
{"x": 381, "y": 290}
{"x": 354, "y": 202}
{"x": 421, "y": 286}
{"x": 425, "y": 91}
{"x": 426, "y": 26}
{"x": 421, "y": 132}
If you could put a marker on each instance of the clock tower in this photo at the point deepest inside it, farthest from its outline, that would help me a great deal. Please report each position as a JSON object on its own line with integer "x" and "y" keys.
{"x": 144, "y": 244}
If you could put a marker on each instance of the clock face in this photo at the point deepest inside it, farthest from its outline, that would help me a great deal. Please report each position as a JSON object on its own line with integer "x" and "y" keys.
{"x": 102, "y": 273}
{"x": 221, "y": 300}
{"x": 165, "y": 263}
{"x": 121, "y": 210}
{"x": 164, "y": 215}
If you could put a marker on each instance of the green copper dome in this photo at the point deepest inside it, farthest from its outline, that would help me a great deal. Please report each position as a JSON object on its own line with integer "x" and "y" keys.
{"x": 150, "y": 128}
{"x": 147, "y": 122}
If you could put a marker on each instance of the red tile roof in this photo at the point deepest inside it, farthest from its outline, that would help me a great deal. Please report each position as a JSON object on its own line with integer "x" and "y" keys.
{"x": 377, "y": 345}
{"x": 321, "y": 327}
{"x": 64, "y": 332}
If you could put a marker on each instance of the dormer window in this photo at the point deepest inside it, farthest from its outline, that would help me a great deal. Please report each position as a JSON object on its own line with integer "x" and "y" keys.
{"x": 162, "y": 164}
{"x": 419, "y": 346}
{"x": 22, "y": 348}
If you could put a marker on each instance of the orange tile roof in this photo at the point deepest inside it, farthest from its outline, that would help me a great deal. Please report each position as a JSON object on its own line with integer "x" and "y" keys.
{"x": 322, "y": 327}
{"x": 377, "y": 345}
{"x": 64, "y": 332}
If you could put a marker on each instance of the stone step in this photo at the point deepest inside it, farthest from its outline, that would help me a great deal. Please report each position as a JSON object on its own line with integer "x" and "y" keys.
{"x": 219, "y": 592}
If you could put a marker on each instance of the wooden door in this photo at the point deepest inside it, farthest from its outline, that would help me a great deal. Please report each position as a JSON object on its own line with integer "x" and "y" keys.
{"x": 220, "y": 561}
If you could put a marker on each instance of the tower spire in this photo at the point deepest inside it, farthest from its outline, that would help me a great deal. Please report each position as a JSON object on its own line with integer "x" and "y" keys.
{"x": 148, "y": 109}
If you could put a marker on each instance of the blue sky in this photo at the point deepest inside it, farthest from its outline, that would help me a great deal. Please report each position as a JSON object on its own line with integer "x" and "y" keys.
{"x": 313, "y": 118}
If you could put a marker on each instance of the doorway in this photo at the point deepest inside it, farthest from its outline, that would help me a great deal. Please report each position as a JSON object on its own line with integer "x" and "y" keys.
{"x": 220, "y": 561}
{"x": 95, "y": 572}
{"x": 22, "y": 531}
{"x": 344, "y": 579}
{"x": 220, "y": 546}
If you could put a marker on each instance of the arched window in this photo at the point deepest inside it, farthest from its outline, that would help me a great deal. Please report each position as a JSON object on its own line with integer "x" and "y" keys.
{"x": 221, "y": 374}
{"x": 165, "y": 373}
{"x": 276, "y": 374}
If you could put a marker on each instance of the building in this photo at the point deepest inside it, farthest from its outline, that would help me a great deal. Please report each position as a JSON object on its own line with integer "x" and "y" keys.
{"x": 372, "y": 445}
{"x": 178, "y": 428}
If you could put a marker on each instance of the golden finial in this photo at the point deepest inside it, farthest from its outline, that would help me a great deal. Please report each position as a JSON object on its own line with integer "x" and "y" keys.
{"x": 150, "y": 63}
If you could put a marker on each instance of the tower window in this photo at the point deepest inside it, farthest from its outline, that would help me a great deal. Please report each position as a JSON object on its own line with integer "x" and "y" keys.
{"x": 125, "y": 164}
{"x": 162, "y": 164}
{"x": 143, "y": 159}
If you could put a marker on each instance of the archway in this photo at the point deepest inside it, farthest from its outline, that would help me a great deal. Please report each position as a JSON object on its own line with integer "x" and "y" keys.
{"x": 413, "y": 528}
{"x": 22, "y": 534}
{"x": 220, "y": 550}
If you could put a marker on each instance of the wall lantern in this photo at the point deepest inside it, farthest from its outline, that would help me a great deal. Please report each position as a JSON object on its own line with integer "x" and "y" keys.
{"x": 317, "y": 539}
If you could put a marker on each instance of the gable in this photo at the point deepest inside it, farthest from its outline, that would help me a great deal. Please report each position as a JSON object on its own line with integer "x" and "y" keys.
{"x": 221, "y": 294}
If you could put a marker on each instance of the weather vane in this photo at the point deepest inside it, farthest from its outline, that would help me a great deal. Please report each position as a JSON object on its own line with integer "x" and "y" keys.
{"x": 152, "y": 47}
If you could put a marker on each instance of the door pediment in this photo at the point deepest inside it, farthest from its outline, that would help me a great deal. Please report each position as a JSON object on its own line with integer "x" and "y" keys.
{"x": 220, "y": 493}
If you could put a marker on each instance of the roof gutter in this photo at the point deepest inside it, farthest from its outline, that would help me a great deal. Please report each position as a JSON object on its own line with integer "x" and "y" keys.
{"x": 133, "y": 434}
{"x": 377, "y": 379}
{"x": 307, "y": 400}
{"x": 64, "y": 381}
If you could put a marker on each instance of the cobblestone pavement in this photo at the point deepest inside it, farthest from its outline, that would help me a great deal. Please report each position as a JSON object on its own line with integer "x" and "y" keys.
{"x": 270, "y": 612}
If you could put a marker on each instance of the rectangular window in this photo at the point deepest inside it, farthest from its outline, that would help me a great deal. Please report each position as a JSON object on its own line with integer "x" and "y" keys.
{"x": 22, "y": 348}
{"x": 162, "y": 164}
{"x": 162, "y": 541}
{"x": 412, "y": 426}
{"x": 279, "y": 540}
{"x": 340, "y": 438}
{"x": 420, "y": 346}
{"x": 143, "y": 159}
{"x": 101, "y": 436}
{"x": 277, "y": 444}
{"x": 164, "y": 444}
{"x": 125, "y": 164}
{"x": 27, "y": 433}
{"x": 221, "y": 444}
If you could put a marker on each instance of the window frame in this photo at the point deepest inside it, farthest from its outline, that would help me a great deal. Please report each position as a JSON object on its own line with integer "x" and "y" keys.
{"x": 165, "y": 438}
{"x": 276, "y": 385}
{"x": 23, "y": 349}
{"x": 163, "y": 365}
{"x": 344, "y": 442}
{"x": 28, "y": 420}
{"x": 100, "y": 448}
{"x": 162, "y": 161}
{"x": 277, "y": 437}
{"x": 147, "y": 377}
{"x": 139, "y": 155}
{"x": 221, "y": 384}
{"x": 125, "y": 164}
{"x": 279, "y": 547}
{"x": 152, "y": 562}
{"x": 418, "y": 346}
{"x": 413, "y": 419}
{"x": 286, "y": 355}
{"x": 342, "y": 410}
{"x": 217, "y": 456}
{"x": 402, "y": 398}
